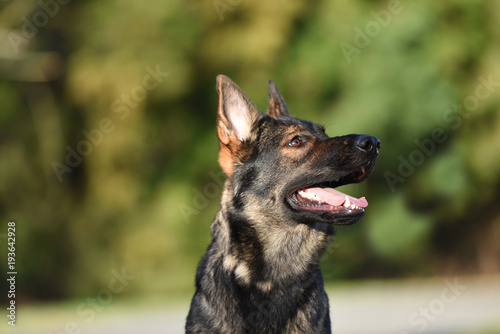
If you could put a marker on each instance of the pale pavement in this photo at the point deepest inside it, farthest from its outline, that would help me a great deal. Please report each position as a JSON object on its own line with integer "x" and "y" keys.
{"x": 438, "y": 306}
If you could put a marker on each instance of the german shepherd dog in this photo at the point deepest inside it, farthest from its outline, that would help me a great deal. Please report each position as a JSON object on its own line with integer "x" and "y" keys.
{"x": 261, "y": 273}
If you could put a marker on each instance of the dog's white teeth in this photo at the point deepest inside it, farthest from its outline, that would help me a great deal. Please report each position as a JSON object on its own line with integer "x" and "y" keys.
{"x": 309, "y": 195}
{"x": 348, "y": 205}
{"x": 304, "y": 194}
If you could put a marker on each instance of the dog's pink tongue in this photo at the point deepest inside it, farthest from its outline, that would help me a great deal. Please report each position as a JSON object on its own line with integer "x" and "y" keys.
{"x": 337, "y": 198}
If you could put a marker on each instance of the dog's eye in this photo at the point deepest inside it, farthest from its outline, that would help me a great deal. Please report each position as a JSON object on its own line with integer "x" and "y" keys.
{"x": 295, "y": 142}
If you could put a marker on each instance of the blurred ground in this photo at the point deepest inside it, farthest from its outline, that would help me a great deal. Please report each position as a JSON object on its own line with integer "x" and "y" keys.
{"x": 455, "y": 305}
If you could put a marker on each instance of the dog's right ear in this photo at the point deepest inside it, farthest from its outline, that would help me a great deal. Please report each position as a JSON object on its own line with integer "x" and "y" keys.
{"x": 277, "y": 106}
{"x": 236, "y": 117}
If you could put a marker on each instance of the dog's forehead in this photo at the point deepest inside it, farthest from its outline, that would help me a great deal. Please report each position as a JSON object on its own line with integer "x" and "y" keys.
{"x": 292, "y": 125}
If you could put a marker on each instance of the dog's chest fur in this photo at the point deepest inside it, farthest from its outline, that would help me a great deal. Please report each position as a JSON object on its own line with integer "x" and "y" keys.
{"x": 260, "y": 278}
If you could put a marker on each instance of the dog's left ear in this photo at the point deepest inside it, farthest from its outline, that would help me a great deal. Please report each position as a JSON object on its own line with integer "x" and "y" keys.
{"x": 276, "y": 107}
{"x": 236, "y": 118}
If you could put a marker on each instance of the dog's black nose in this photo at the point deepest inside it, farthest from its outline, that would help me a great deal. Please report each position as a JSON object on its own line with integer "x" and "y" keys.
{"x": 367, "y": 143}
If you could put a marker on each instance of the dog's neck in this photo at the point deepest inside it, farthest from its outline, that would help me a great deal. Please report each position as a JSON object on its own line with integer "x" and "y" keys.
{"x": 268, "y": 251}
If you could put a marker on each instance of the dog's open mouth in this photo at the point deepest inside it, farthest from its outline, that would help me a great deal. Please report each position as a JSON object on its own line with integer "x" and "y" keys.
{"x": 329, "y": 199}
{"x": 323, "y": 197}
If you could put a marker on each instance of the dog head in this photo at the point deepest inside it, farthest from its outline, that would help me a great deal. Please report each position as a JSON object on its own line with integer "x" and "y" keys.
{"x": 286, "y": 169}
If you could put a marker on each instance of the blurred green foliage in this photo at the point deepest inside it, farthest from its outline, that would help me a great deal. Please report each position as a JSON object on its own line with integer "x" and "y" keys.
{"x": 147, "y": 189}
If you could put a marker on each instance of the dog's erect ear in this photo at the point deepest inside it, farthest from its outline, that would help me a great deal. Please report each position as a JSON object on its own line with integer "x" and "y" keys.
{"x": 236, "y": 117}
{"x": 276, "y": 107}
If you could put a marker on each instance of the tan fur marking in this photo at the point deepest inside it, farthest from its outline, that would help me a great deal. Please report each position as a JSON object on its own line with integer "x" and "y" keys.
{"x": 226, "y": 160}
{"x": 242, "y": 273}
{"x": 230, "y": 262}
{"x": 264, "y": 286}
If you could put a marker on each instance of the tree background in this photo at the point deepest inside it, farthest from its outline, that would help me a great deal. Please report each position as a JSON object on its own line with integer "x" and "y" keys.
{"x": 147, "y": 187}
